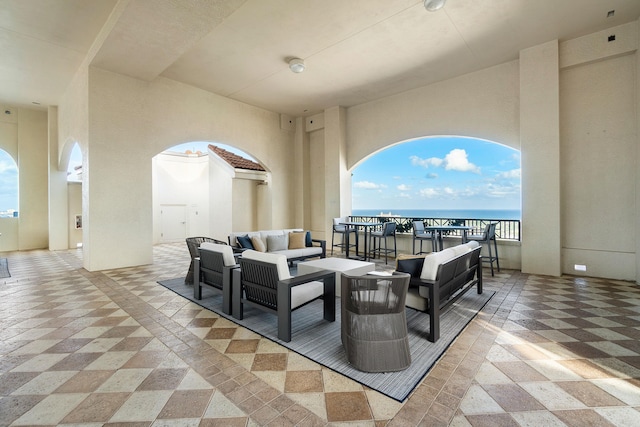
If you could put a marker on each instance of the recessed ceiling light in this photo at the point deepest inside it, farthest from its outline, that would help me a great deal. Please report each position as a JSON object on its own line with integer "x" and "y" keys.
{"x": 433, "y": 5}
{"x": 296, "y": 65}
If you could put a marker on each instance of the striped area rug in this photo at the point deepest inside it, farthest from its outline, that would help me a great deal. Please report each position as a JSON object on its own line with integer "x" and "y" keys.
{"x": 4, "y": 268}
{"x": 319, "y": 340}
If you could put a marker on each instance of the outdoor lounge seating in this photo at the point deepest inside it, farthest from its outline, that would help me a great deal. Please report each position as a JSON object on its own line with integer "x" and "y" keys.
{"x": 439, "y": 279}
{"x": 193, "y": 243}
{"x": 263, "y": 281}
{"x": 296, "y": 244}
{"x": 213, "y": 268}
{"x": 374, "y": 322}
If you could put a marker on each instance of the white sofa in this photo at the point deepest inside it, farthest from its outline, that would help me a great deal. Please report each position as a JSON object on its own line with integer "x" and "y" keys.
{"x": 278, "y": 242}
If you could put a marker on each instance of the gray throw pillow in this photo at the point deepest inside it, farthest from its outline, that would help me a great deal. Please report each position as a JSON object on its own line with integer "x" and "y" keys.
{"x": 277, "y": 243}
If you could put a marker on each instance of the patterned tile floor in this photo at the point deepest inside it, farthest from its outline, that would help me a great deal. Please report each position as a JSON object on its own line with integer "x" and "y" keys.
{"x": 115, "y": 348}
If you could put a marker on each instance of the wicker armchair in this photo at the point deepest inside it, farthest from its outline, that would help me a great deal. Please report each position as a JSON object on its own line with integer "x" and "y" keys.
{"x": 374, "y": 323}
{"x": 193, "y": 243}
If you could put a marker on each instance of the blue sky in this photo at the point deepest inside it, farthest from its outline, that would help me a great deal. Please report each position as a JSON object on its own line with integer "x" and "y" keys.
{"x": 430, "y": 173}
{"x": 439, "y": 173}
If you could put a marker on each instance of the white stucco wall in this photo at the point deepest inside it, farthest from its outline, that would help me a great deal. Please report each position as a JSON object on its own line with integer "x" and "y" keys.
{"x": 130, "y": 121}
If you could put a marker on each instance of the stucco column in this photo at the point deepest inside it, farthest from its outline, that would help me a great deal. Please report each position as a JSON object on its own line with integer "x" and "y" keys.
{"x": 58, "y": 197}
{"x": 337, "y": 177}
{"x": 638, "y": 161}
{"x": 540, "y": 145}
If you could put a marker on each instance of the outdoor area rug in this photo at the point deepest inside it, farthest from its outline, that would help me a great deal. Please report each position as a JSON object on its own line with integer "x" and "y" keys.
{"x": 319, "y": 340}
{"x": 4, "y": 268}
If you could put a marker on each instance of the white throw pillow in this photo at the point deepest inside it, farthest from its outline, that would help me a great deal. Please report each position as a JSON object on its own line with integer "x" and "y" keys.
{"x": 472, "y": 245}
{"x": 460, "y": 249}
{"x": 225, "y": 250}
{"x": 432, "y": 261}
{"x": 278, "y": 259}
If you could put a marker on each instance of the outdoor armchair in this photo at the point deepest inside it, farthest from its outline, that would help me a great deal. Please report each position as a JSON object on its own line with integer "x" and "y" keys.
{"x": 213, "y": 268}
{"x": 263, "y": 281}
{"x": 193, "y": 243}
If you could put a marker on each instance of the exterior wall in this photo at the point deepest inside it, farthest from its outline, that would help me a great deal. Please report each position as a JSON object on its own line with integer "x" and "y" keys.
{"x": 33, "y": 167}
{"x": 130, "y": 121}
{"x": 181, "y": 180}
{"x": 540, "y": 154}
{"x": 244, "y": 196}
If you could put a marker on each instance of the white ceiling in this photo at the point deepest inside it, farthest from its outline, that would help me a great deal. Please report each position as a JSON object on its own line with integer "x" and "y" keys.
{"x": 355, "y": 50}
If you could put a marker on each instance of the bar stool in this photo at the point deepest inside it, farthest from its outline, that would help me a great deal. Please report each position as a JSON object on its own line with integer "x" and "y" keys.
{"x": 343, "y": 230}
{"x": 420, "y": 234}
{"x": 388, "y": 230}
{"x": 487, "y": 236}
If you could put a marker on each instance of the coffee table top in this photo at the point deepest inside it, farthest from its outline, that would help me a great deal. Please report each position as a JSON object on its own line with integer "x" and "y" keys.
{"x": 339, "y": 264}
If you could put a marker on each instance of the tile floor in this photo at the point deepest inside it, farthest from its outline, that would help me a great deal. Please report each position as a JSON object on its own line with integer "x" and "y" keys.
{"x": 115, "y": 348}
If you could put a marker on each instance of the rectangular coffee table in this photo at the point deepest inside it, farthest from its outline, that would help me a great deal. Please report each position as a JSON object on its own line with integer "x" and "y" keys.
{"x": 339, "y": 265}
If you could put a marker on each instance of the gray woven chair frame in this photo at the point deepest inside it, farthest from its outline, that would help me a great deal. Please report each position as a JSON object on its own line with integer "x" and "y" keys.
{"x": 193, "y": 243}
{"x": 374, "y": 323}
{"x": 256, "y": 283}
{"x": 211, "y": 271}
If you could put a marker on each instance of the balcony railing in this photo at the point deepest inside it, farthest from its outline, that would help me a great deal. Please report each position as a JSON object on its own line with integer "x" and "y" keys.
{"x": 506, "y": 229}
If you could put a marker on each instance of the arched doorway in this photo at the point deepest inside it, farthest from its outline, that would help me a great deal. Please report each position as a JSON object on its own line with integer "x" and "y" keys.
{"x": 207, "y": 189}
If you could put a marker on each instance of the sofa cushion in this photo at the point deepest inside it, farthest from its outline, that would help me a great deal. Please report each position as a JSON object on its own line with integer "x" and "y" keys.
{"x": 245, "y": 242}
{"x": 432, "y": 261}
{"x": 277, "y": 243}
{"x": 278, "y": 259}
{"x": 258, "y": 244}
{"x": 472, "y": 245}
{"x": 225, "y": 250}
{"x": 304, "y": 293}
{"x": 299, "y": 253}
{"x": 460, "y": 249}
{"x": 297, "y": 240}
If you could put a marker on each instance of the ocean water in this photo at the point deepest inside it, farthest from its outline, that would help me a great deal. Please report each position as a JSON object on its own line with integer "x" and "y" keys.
{"x": 497, "y": 214}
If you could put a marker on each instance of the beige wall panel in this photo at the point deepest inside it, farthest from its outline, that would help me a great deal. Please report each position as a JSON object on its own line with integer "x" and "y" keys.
{"x": 33, "y": 167}
{"x": 598, "y": 146}
{"x": 317, "y": 182}
{"x": 245, "y": 209}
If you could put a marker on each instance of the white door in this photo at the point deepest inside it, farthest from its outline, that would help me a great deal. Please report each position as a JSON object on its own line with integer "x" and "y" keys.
{"x": 173, "y": 223}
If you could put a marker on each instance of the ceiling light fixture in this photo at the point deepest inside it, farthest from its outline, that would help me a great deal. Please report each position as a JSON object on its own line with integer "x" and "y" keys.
{"x": 433, "y": 5}
{"x": 296, "y": 65}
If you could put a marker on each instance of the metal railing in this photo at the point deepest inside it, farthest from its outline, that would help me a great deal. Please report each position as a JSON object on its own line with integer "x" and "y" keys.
{"x": 506, "y": 229}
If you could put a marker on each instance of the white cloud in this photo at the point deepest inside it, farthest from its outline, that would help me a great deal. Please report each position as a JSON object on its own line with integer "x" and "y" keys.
{"x": 432, "y": 176}
{"x": 403, "y": 187}
{"x": 404, "y": 196}
{"x": 456, "y": 160}
{"x": 429, "y": 192}
{"x": 425, "y": 163}
{"x": 9, "y": 167}
{"x": 512, "y": 174}
{"x": 368, "y": 185}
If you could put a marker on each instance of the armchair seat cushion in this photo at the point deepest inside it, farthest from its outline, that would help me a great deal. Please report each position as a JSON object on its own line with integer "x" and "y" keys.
{"x": 302, "y": 294}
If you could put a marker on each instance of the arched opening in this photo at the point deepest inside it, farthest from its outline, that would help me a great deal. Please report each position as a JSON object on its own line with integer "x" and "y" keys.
{"x": 74, "y": 195}
{"x": 207, "y": 189}
{"x": 440, "y": 177}
{"x": 9, "y": 202}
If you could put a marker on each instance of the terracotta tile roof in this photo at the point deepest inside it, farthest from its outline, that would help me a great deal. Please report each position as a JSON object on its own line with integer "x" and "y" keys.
{"x": 234, "y": 160}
